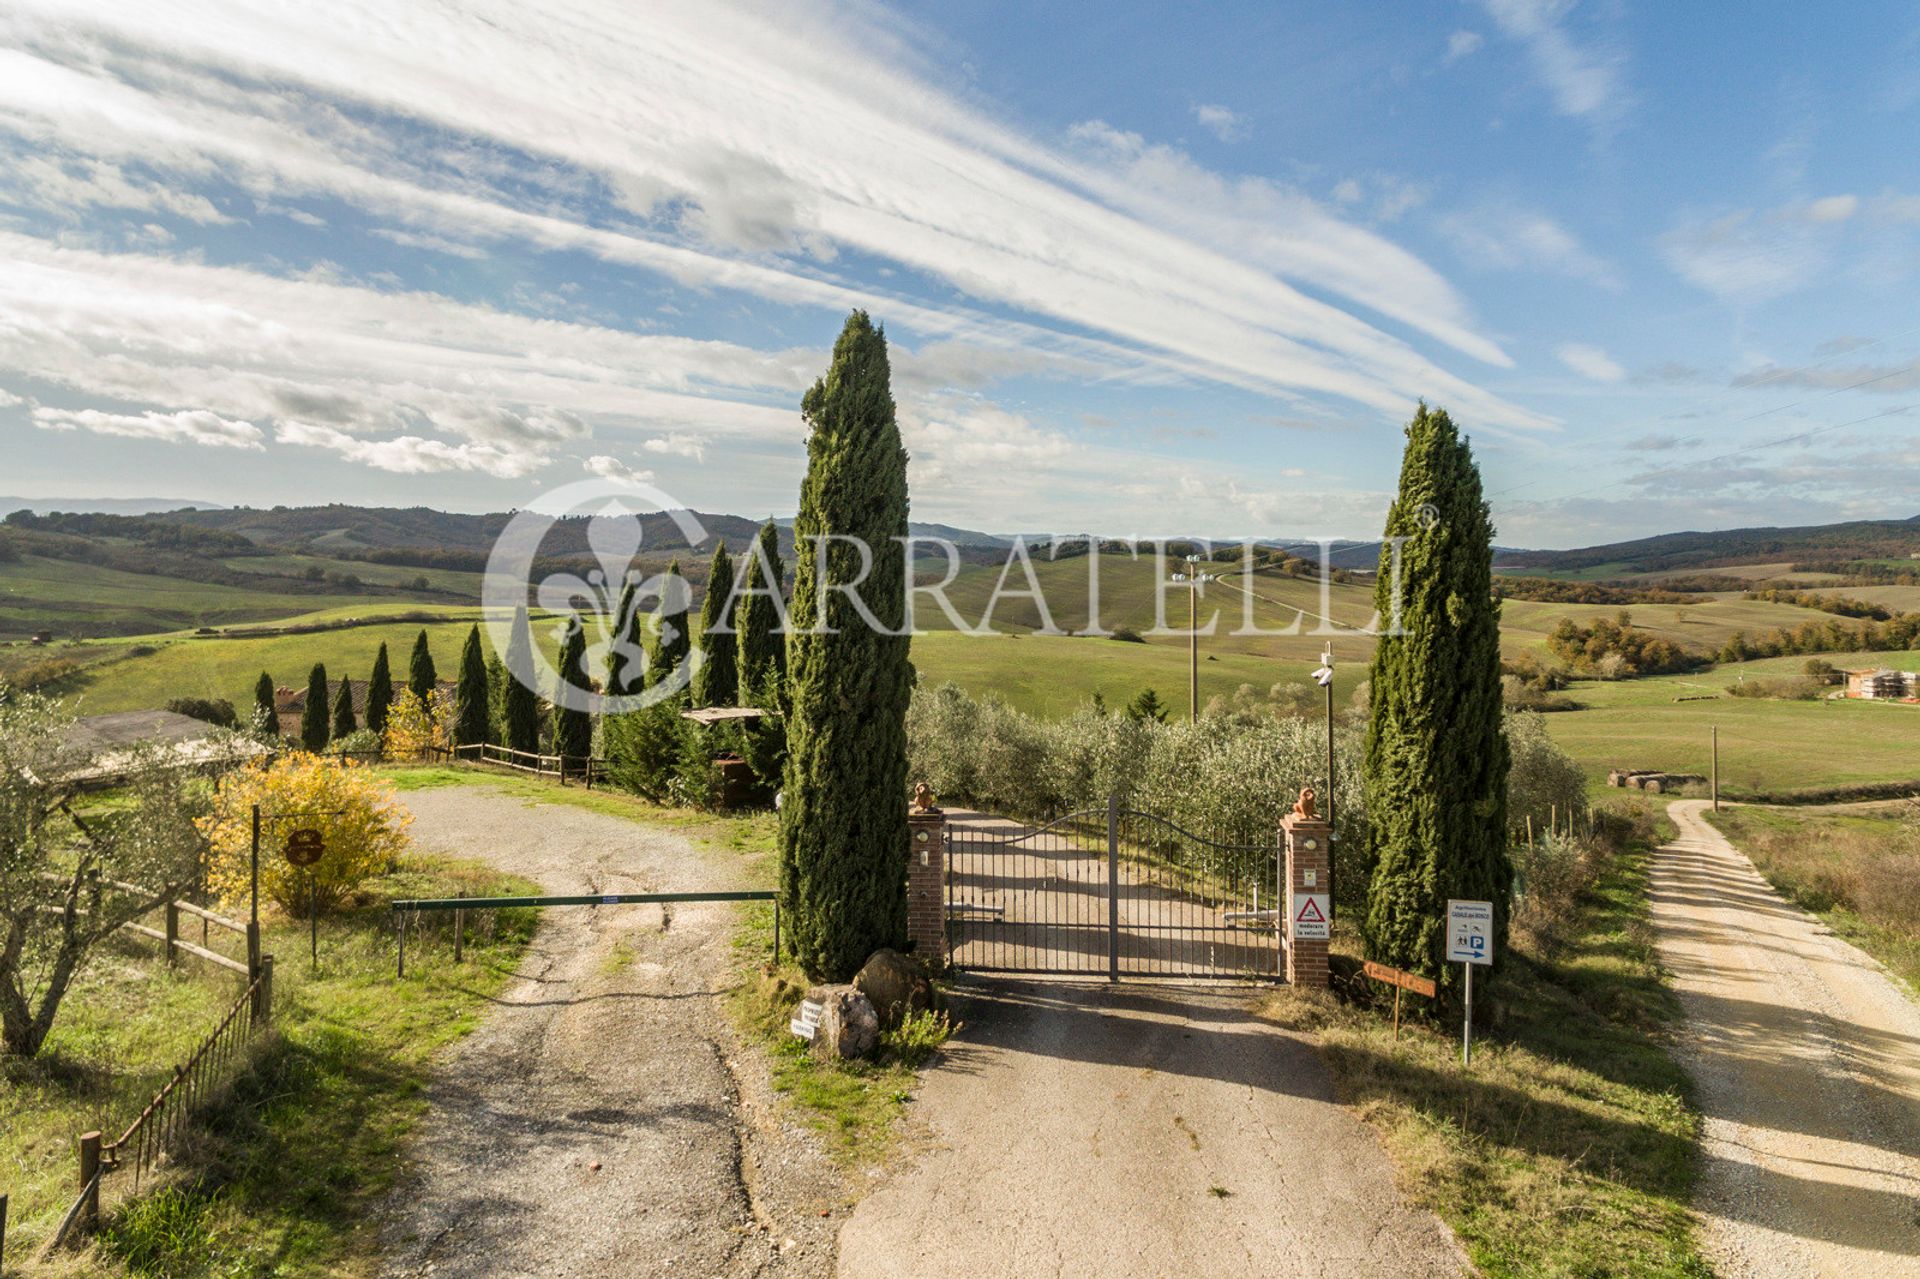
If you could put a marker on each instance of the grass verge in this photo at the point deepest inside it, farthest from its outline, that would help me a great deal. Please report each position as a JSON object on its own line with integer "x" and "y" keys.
{"x": 281, "y": 1176}
{"x": 1857, "y": 871}
{"x": 1569, "y": 1146}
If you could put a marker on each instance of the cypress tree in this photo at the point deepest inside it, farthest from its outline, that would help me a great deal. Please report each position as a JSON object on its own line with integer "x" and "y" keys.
{"x": 717, "y": 682}
{"x": 1436, "y": 782}
{"x": 313, "y": 715}
{"x": 379, "y": 691}
{"x": 266, "y": 713}
{"x": 674, "y": 644}
{"x": 843, "y": 814}
{"x": 343, "y": 721}
{"x": 762, "y": 656}
{"x": 626, "y": 661}
{"x": 471, "y": 719}
{"x": 521, "y": 712}
{"x": 573, "y": 727}
{"x": 421, "y": 677}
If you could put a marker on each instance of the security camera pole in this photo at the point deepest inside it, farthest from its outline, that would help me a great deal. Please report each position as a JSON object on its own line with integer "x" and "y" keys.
{"x": 1324, "y": 678}
{"x": 1194, "y": 579}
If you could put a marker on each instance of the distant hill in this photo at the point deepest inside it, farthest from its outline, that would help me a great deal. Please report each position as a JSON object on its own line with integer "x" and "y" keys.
{"x": 1671, "y": 552}
{"x": 100, "y": 505}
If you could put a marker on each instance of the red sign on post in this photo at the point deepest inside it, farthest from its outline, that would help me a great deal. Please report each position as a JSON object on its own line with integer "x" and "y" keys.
{"x": 305, "y": 847}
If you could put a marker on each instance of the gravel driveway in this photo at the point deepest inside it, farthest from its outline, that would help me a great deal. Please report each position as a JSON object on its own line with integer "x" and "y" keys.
{"x": 602, "y": 1121}
{"x": 1101, "y": 1131}
{"x": 1806, "y": 1055}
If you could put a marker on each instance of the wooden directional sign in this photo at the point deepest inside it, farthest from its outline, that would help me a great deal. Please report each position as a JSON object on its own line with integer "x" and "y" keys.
{"x": 1400, "y": 977}
{"x": 305, "y": 846}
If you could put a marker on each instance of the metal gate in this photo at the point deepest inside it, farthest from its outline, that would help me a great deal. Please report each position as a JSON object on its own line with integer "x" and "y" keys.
{"x": 1110, "y": 892}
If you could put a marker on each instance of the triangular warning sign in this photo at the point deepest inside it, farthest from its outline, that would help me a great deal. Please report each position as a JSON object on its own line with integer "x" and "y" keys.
{"x": 1310, "y": 913}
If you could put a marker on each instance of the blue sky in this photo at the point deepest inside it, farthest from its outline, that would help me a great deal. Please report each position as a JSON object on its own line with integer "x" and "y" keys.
{"x": 1146, "y": 269}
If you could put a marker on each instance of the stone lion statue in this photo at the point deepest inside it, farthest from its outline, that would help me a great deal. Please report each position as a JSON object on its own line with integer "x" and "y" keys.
{"x": 1303, "y": 807}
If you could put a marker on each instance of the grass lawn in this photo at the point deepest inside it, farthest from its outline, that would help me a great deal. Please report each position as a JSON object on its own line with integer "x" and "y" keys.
{"x": 1857, "y": 870}
{"x": 283, "y": 1174}
{"x": 1568, "y": 1147}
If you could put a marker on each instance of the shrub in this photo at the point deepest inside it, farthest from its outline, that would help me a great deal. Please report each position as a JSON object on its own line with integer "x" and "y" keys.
{"x": 357, "y": 815}
{"x": 1549, "y": 877}
{"x": 1802, "y": 688}
{"x": 416, "y": 728}
{"x": 44, "y": 674}
{"x": 1542, "y": 781}
{"x": 643, "y": 749}
{"x": 214, "y": 710}
{"x": 1126, "y": 635}
{"x": 362, "y": 741}
{"x": 917, "y": 1037}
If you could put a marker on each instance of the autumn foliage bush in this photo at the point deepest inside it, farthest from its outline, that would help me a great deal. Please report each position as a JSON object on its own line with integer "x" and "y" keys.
{"x": 362, "y": 824}
{"x": 417, "y": 727}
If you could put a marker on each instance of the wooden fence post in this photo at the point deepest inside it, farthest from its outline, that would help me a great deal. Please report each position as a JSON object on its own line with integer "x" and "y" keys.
{"x": 253, "y": 950}
{"x": 173, "y": 927}
{"x": 263, "y": 993}
{"x": 89, "y": 1170}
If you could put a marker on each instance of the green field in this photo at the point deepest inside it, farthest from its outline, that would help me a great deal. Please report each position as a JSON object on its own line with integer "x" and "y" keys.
{"x": 66, "y": 596}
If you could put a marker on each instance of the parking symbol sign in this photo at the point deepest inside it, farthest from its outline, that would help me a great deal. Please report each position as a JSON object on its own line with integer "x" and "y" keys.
{"x": 1469, "y": 932}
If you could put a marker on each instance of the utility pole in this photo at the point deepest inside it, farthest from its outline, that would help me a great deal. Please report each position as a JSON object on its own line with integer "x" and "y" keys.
{"x": 1194, "y": 579}
{"x": 1716, "y": 768}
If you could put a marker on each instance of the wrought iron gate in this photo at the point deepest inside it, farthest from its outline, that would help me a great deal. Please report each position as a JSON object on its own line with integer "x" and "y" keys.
{"x": 1110, "y": 892}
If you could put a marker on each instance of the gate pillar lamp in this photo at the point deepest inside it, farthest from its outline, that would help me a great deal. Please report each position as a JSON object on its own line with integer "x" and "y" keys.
{"x": 1194, "y": 579}
{"x": 1324, "y": 678}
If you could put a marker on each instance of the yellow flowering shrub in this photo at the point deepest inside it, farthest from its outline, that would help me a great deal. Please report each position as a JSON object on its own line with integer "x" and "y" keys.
{"x": 416, "y": 727}
{"x": 362, "y": 823}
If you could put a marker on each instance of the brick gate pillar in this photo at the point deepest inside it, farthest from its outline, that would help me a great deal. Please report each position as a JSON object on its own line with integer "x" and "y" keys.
{"x": 927, "y": 885}
{"x": 1307, "y": 852}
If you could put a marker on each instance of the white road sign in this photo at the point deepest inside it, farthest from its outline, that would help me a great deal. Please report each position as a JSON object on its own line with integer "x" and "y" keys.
{"x": 1309, "y": 916}
{"x": 1469, "y": 932}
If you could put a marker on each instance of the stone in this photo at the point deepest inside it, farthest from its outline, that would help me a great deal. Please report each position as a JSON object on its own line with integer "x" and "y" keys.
{"x": 849, "y": 1028}
{"x": 896, "y": 985}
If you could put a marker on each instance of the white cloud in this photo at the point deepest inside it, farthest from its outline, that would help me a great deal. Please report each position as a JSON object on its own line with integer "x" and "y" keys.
{"x": 1833, "y": 208}
{"x": 491, "y": 122}
{"x": 677, "y": 445}
{"x": 412, "y": 455}
{"x": 1746, "y": 258}
{"x": 1223, "y": 123}
{"x": 1590, "y": 362}
{"x": 1514, "y": 239}
{"x": 184, "y": 427}
{"x": 1462, "y": 44}
{"x": 612, "y": 468}
{"x": 434, "y": 243}
{"x": 9, "y": 400}
{"x": 1585, "y": 79}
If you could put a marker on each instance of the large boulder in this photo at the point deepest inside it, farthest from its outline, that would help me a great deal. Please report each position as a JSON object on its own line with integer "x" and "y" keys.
{"x": 849, "y": 1027}
{"x": 896, "y": 985}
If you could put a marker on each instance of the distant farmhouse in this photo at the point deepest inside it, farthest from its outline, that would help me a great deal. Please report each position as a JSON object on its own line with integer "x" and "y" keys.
{"x": 1883, "y": 685}
{"x": 289, "y": 703}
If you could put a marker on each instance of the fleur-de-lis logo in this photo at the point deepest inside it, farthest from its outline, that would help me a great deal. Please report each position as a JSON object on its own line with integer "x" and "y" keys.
{"x": 614, "y": 671}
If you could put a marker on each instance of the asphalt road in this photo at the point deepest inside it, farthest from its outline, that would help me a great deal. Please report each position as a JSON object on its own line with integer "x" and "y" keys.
{"x": 1082, "y": 1129}
{"x": 1806, "y": 1057}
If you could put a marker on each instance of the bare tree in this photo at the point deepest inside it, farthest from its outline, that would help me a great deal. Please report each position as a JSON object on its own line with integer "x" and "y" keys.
{"x": 69, "y": 879}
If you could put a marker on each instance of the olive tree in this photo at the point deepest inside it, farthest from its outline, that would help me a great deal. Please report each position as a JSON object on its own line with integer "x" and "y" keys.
{"x": 69, "y": 878}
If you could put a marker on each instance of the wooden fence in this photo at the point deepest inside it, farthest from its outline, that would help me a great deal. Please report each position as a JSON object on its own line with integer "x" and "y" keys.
{"x": 173, "y": 944}
{"x": 560, "y": 766}
{"x": 159, "y": 1126}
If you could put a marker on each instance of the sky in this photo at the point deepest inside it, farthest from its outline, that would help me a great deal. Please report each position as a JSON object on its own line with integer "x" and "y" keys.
{"x": 1144, "y": 269}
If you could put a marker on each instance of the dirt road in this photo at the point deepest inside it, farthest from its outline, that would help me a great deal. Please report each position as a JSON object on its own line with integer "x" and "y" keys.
{"x": 1098, "y": 1131}
{"x": 1807, "y": 1059}
{"x": 601, "y": 1122}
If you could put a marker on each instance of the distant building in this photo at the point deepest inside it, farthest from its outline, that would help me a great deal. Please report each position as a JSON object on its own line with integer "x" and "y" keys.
{"x": 107, "y": 743}
{"x": 290, "y": 703}
{"x": 1882, "y": 685}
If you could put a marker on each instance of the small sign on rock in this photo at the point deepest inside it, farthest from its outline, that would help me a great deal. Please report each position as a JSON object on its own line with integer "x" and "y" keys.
{"x": 807, "y": 1021}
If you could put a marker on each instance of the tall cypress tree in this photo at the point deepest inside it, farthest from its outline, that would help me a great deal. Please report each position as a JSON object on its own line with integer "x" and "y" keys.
{"x": 522, "y": 710}
{"x": 379, "y": 691}
{"x": 266, "y": 708}
{"x": 762, "y": 656}
{"x": 626, "y": 663}
{"x": 1436, "y": 784}
{"x": 717, "y": 682}
{"x": 573, "y": 726}
{"x": 313, "y": 715}
{"x": 674, "y": 646}
{"x": 843, "y": 814}
{"x": 421, "y": 677}
{"x": 343, "y": 721}
{"x": 471, "y": 720}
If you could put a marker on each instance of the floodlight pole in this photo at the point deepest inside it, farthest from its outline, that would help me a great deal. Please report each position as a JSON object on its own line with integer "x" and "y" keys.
{"x": 1194, "y": 578}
